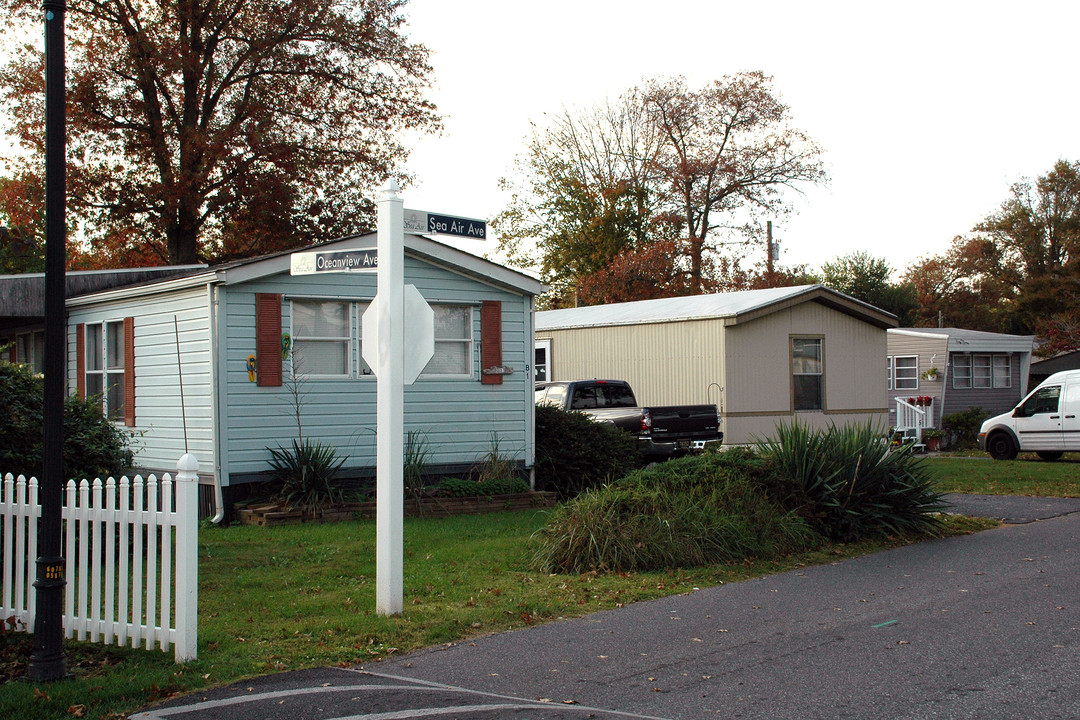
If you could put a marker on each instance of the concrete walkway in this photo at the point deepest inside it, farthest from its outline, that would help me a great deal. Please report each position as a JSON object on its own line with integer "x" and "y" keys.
{"x": 981, "y": 626}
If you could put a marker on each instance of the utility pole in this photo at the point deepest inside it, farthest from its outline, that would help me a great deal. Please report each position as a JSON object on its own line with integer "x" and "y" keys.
{"x": 769, "y": 251}
{"x": 47, "y": 660}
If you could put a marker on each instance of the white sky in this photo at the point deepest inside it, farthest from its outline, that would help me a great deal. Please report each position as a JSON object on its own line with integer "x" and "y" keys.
{"x": 927, "y": 111}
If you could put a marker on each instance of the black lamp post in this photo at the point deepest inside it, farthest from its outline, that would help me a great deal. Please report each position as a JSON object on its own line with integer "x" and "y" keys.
{"x": 47, "y": 661}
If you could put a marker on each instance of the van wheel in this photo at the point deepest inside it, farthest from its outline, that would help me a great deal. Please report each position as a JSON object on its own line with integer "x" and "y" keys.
{"x": 1001, "y": 446}
{"x": 1050, "y": 455}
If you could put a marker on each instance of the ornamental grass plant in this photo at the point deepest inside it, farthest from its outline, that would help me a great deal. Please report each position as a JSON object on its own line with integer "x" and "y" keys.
{"x": 855, "y": 485}
{"x": 692, "y": 511}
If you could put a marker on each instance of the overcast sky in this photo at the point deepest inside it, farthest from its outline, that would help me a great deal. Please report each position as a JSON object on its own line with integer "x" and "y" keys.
{"x": 927, "y": 111}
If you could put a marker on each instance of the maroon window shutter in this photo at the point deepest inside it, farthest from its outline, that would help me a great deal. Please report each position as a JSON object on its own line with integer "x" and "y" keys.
{"x": 129, "y": 371}
{"x": 268, "y": 339}
{"x": 490, "y": 340}
{"x": 80, "y": 360}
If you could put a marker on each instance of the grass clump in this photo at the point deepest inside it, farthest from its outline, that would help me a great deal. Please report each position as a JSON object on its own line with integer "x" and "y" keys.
{"x": 688, "y": 512}
{"x": 853, "y": 483}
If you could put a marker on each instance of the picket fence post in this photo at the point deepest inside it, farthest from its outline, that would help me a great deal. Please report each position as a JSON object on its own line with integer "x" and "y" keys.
{"x": 187, "y": 558}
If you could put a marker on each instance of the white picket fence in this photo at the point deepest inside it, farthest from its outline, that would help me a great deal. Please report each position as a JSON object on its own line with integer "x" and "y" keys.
{"x": 131, "y": 556}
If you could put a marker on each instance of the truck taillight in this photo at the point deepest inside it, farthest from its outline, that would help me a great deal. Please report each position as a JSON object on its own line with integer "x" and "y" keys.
{"x": 646, "y": 423}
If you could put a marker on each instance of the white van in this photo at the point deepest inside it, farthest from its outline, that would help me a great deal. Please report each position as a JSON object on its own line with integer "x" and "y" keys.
{"x": 1046, "y": 422}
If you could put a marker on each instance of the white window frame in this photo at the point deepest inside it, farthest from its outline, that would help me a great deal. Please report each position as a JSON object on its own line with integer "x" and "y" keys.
{"x": 961, "y": 371}
{"x": 542, "y": 345}
{"x": 346, "y": 339}
{"x": 443, "y": 342}
{"x": 819, "y": 373}
{"x": 901, "y": 383}
{"x": 108, "y": 370}
{"x": 1002, "y": 378}
{"x": 982, "y": 371}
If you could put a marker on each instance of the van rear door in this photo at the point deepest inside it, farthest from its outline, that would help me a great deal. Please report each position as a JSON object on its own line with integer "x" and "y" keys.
{"x": 1070, "y": 415}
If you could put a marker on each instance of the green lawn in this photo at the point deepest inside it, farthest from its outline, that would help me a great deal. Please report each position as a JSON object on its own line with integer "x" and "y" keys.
{"x": 285, "y": 598}
{"x": 1027, "y": 475}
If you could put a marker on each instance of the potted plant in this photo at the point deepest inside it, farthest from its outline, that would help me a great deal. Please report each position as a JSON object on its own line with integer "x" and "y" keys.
{"x": 932, "y": 439}
{"x": 931, "y": 374}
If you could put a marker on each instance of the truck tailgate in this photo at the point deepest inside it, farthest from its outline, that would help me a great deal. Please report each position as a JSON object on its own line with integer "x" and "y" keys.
{"x": 697, "y": 422}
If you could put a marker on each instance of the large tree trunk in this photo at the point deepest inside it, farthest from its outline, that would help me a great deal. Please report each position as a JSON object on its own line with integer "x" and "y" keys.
{"x": 182, "y": 234}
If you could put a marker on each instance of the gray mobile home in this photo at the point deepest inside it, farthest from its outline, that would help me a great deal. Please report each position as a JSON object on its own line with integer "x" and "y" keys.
{"x": 763, "y": 356}
{"x": 228, "y": 361}
{"x": 957, "y": 369}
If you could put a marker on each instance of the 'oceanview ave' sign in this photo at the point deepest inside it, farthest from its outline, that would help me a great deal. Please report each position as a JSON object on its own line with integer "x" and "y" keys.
{"x": 419, "y": 221}
{"x": 308, "y": 263}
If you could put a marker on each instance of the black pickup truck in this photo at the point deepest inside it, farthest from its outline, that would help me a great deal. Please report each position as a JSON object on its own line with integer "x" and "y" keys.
{"x": 664, "y": 431}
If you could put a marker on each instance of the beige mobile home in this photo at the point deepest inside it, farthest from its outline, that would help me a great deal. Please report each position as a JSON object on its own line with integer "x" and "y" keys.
{"x": 763, "y": 356}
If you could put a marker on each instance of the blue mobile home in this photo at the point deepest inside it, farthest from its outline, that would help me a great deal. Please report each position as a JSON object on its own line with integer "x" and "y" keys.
{"x": 218, "y": 361}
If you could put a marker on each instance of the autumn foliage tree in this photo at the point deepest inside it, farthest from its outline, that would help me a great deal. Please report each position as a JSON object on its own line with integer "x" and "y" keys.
{"x": 211, "y": 129}
{"x": 1019, "y": 270}
{"x": 636, "y": 199}
{"x": 727, "y": 152}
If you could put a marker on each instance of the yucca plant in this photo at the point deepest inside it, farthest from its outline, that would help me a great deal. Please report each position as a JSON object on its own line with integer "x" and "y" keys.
{"x": 855, "y": 484}
{"x": 307, "y": 474}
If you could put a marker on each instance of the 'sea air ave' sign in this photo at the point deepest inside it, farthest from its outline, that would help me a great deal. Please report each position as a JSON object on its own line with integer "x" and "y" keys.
{"x": 419, "y": 221}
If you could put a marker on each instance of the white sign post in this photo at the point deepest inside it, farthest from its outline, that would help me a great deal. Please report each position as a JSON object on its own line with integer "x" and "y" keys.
{"x": 384, "y": 321}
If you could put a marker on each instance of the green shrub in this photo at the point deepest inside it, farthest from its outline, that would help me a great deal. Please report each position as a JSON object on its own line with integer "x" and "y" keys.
{"x": 93, "y": 445}
{"x": 456, "y": 487}
{"x": 690, "y": 511}
{"x": 575, "y": 452}
{"x": 855, "y": 485}
{"x": 963, "y": 427}
{"x": 307, "y": 474}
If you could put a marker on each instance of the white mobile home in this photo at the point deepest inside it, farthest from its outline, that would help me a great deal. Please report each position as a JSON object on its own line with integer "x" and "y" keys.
{"x": 763, "y": 356}
{"x": 228, "y": 361}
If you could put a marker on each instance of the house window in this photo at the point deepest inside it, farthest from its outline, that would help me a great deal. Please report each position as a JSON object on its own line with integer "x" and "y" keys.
{"x": 981, "y": 372}
{"x": 30, "y": 349}
{"x": 321, "y": 338}
{"x": 906, "y": 373}
{"x": 104, "y": 366}
{"x": 542, "y": 360}
{"x": 961, "y": 374}
{"x": 1002, "y": 367}
{"x": 453, "y": 342}
{"x": 808, "y": 377}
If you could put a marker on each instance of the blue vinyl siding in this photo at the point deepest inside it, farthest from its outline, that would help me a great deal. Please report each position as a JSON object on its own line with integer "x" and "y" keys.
{"x": 160, "y": 420}
{"x": 458, "y": 416}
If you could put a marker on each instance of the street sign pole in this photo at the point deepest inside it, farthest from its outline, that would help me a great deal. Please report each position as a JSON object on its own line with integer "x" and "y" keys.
{"x": 390, "y": 434}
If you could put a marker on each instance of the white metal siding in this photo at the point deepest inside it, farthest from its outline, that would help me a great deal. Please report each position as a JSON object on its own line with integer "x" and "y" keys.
{"x": 745, "y": 369}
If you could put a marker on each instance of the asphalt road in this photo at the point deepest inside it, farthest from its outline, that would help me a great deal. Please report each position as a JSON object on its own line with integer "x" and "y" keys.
{"x": 982, "y": 626}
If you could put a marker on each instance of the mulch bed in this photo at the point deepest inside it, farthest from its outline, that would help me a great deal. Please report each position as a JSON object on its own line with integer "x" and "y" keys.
{"x": 273, "y": 513}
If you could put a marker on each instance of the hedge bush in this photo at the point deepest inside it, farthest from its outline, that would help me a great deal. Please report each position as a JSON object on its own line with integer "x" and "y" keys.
{"x": 963, "y": 427}
{"x": 457, "y": 487}
{"x": 575, "y": 452}
{"x": 93, "y": 446}
{"x": 713, "y": 508}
